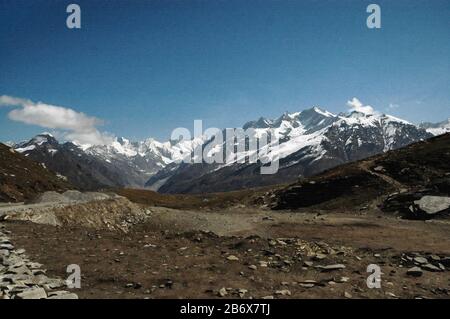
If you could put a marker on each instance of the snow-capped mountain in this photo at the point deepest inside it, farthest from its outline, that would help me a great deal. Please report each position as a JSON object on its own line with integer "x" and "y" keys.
{"x": 72, "y": 162}
{"x": 118, "y": 164}
{"x": 309, "y": 142}
{"x": 437, "y": 128}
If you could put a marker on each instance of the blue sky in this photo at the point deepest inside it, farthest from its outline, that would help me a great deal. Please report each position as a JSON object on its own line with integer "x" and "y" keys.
{"x": 146, "y": 67}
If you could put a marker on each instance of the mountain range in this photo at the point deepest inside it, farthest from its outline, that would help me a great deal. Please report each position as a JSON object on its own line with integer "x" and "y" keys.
{"x": 310, "y": 142}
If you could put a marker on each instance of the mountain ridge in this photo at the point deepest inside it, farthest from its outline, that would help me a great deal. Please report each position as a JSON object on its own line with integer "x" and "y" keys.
{"x": 310, "y": 141}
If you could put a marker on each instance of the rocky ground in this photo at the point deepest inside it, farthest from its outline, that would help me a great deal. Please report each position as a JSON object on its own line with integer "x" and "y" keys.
{"x": 21, "y": 278}
{"x": 250, "y": 253}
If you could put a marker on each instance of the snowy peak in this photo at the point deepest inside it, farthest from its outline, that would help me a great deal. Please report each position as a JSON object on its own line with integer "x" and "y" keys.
{"x": 43, "y": 140}
{"x": 437, "y": 128}
{"x": 260, "y": 123}
{"x": 296, "y": 123}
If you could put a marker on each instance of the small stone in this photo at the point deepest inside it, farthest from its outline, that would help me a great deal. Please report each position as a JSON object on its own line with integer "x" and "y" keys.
{"x": 32, "y": 293}
{"x": 390, "y": 294}
{"x": 435, "y": 257}
{"x": 232, "y": 258}
{"x": 267, "y": 297}
{"x": 223, "y": 292}
{"x": 319, "y": 256}
{"x": 331, "y": 267}
{"x": 308, "y": 263}
{"x": 420, "y": 260}
{"x": 343, "y": 279}
{"x": 348, "y": 295}
{"x": 283, "y": 292}
{"x": 54, "y": 284}
{"x": 414, "y": 271}
{"x": 252, "y": 267}
{"x": 6, "y": 246}
{"x": 430, "y": 267}
{"x": 242, "y": 292}
{"x": 306, "y": 285}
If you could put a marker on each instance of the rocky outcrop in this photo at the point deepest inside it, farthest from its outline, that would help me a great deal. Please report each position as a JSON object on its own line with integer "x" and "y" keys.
{"x": 417, "y": 205}
{"x": 21, "y": 278}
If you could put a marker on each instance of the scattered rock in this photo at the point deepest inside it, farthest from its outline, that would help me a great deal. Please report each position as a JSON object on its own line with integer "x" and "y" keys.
{"x": 347, "y": 295}
{"x": 331, "y": 267}
{"x": 22, "y": 279}
{"x": 32, "y": 293}
{"x": 343, "y": 279}
{"x": 430, "y": 267}
{"x": 283, "y": 292}
{"x": 414, "y": 271}
{"x": 420, "y": 260}
{"x": 222, "y": 292}
{"x": 242, "y": 292}
{"x": 319, "y": 256}
{"x": 232, "y": 258}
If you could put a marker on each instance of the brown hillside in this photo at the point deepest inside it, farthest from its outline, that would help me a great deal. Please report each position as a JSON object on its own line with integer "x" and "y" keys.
{"x": 421, "y": 166}
{"x": 22, "y": 179}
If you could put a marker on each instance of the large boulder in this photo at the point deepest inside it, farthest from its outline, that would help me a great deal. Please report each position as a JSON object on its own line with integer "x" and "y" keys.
{"x": 417, "y": 205}
{"x": 433, "y": 204}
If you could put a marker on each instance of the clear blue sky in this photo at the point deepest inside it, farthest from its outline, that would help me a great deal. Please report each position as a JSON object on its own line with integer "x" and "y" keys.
{"x": 146, "y": 67}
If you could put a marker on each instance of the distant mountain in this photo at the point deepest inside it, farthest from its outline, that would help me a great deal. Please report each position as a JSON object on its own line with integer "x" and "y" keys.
{"x": 436, "y": 128}
{"x": 311, "y": 141}
{"x": 69, "y": 160}
{"x": 22, "y": 179}
{"x": 119, "y": 164}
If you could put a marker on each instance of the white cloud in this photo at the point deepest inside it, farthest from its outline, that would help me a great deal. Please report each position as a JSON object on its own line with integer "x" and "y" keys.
{"x": 77, "y": 126}
{"x": 356, "y": 105}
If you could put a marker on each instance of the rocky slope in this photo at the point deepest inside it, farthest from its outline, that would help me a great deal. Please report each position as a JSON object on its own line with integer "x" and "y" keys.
{"x": 398, "y": 177}
{"x": 22, "y": 179}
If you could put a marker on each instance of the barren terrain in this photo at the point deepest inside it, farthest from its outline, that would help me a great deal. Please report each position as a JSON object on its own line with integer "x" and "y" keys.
{"x": 186, "y": 254}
